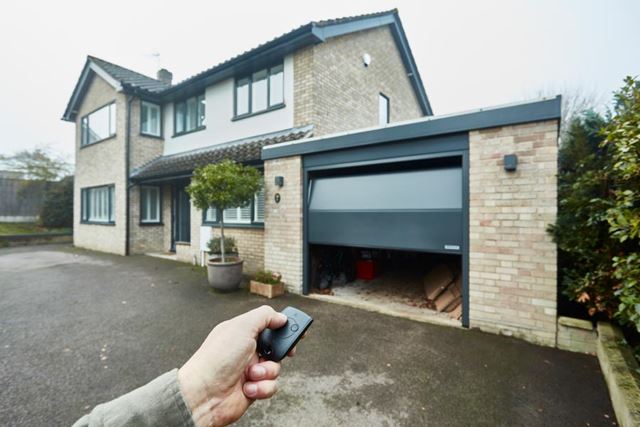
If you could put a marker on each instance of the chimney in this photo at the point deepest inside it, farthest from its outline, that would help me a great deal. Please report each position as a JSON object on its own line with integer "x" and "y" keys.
{"x": 164, "y": 76}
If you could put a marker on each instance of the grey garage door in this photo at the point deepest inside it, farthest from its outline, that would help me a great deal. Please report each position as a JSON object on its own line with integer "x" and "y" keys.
{"x": 416, "y": 209}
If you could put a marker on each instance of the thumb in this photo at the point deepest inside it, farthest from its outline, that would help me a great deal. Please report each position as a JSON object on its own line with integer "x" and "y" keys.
{"x": 263, "y": 317}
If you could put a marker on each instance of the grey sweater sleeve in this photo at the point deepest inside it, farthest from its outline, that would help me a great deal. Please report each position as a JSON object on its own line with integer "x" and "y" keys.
{"x": 158, "y": 403}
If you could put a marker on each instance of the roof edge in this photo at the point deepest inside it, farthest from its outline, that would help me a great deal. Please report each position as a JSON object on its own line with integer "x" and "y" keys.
{"x": 503, "y": 115}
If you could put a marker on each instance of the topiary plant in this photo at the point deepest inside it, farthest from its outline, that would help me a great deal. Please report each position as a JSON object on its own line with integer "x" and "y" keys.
{"x": 215, "y": 245}
{"x": 224, "y": 185}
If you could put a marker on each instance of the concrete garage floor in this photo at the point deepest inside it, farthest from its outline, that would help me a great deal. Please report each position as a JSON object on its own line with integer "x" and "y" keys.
{"x": 78, "y": 328}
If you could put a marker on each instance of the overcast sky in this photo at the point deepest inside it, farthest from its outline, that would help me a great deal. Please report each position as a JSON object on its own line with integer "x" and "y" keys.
{"x": 470, "y": 54}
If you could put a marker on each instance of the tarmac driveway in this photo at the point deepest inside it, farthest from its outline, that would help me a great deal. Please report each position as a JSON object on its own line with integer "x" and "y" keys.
{"x": 78, "y": 328}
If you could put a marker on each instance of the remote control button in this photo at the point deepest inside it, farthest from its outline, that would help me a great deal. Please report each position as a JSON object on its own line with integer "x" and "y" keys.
{"x": 294, "y": 327}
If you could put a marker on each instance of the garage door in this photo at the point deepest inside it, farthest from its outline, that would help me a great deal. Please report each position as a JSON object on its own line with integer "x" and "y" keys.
{"x": 414, "y": 209}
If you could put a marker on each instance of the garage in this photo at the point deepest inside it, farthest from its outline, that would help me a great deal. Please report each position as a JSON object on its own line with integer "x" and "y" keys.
{"x": 386, "y": 224}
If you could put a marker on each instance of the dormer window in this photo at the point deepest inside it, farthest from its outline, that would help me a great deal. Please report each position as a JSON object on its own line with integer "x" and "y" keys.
{"x": 261, "y": 91}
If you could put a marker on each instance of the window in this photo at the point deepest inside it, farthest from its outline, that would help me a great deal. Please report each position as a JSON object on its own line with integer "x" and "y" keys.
{"x": 150, "y": 119}
{"x": 261, "y": 91}
{"x": 383, "y": 110}
{"x": 253, "y": 213}
{"x": 211, "y": 215}
{"x": 97, "y": 204}
{"x": 150, "y": 205}
{"x": 189, "y": 115}
{"x": 240, "y": 215}
{"x": 99, "y": 125}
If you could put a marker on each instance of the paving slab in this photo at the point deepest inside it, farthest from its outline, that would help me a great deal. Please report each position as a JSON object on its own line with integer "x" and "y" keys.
{"x": 78, "y": 328}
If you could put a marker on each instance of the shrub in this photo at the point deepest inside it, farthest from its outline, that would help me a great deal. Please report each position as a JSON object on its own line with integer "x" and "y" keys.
{"x": 267, "y": 277}
{"x": 230, "y": 246}
{"x": 57, "y": 208}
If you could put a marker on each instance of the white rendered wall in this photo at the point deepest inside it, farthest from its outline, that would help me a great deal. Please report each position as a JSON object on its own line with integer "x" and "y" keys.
{"x": 219, "y": 114}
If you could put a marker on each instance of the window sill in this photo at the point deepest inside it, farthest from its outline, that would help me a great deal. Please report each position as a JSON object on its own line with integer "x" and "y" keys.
{"x": 148, "y": 135}
{"x": 268, "y": 110}
{"x": 188, "y": 132}
{"x": 98, "y": 142}
{"x": 150, "y": 224}
{"x": 254, "y": 225}
{"x": 98, "y": 223}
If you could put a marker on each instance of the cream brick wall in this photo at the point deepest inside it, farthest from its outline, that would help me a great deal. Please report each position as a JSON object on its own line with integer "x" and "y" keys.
{"x": 335, "y": 92}
{"x": 101, "y": 164}
{"x": 250, "y": 242}
{"x": 283, "y": 221}
{"x": 512, "y": 259}
{"x": 145, "y": 238}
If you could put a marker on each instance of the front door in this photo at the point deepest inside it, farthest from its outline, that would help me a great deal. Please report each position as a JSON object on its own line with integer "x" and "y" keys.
{"x": 181, "y": 215}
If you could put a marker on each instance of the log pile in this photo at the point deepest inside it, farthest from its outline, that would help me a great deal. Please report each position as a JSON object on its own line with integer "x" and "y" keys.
{"x": 443, "y": 290}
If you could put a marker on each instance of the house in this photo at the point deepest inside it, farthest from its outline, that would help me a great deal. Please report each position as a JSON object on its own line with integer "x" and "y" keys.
{"x": 335, "y": 115}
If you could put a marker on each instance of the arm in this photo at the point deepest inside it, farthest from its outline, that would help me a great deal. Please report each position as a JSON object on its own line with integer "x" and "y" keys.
{"x": 214, "y": 388}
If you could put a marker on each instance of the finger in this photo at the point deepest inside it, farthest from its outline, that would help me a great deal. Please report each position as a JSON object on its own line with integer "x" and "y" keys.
{"x": 263, "y": 317}
{"x": 292, "y": 352}
{"x": 264, "y": 371}
{"x": 260, "y": 389}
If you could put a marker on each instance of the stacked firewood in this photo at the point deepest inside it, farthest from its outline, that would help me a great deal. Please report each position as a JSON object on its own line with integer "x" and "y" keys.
{"x": 443, "y": 290}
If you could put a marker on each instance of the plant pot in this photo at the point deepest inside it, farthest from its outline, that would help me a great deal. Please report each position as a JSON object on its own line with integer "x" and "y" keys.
{"x": 266, "y": 290}
{"x": 225, "y": 276}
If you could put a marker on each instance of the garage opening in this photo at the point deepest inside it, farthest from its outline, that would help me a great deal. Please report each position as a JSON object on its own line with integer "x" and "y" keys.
{"x": 407, "y": 282}
{"x": 389, "y": 236}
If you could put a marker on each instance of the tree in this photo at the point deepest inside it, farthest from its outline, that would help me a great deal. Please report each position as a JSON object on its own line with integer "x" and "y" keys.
{"x": 57, "y": 209}
{"x": 37, "y": 165}
{"x": 223, "y": 185}
{"x": 622, "y": 138}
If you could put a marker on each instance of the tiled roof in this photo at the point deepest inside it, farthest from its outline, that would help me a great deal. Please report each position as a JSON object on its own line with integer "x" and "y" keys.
{"x": 275, "y": 41}
{"x": 243, "y": 150}
{"x": 130, "y": 78}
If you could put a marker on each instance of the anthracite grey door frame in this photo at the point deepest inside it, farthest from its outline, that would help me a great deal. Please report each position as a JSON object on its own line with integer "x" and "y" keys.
{"x": 393, "y": 152}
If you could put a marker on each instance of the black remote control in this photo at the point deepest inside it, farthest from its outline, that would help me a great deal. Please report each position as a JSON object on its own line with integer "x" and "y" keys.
{"x": 274, "y": 344}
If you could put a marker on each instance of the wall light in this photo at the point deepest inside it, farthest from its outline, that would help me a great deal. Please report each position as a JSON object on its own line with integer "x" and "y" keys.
{"x": 279, "y": 181}
{"x": 510, "y": 162}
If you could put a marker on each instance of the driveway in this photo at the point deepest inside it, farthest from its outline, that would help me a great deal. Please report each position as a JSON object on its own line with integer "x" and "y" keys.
{"x": 78, "y": 328}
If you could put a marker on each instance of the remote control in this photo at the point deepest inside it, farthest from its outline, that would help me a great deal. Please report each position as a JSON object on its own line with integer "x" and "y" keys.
{"x": 274, "y": 344}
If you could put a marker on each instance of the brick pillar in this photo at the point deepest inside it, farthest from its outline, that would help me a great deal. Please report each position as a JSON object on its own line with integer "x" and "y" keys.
{"x": 512, "y": 259}
{"x": 283, "y": 221}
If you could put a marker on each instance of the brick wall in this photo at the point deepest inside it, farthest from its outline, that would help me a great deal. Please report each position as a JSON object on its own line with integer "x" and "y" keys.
{"x": 512, "y": 259}
{"x": 101, "y": 164}
{"x": 145, "y": 238}
{"x": 283, "y": 221}
{"x": 250, "y": 242}
{"x": 336, "y": 92}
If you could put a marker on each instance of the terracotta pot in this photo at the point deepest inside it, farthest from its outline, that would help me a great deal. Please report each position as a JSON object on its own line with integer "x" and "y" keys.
{"x": 225, "y": 276}
{"x": 266, "y": 290}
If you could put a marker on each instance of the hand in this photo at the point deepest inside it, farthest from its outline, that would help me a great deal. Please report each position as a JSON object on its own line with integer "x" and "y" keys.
{"x": 224, "y": 376}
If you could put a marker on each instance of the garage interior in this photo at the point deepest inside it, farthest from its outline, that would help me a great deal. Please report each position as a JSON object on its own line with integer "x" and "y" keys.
{"x": 389, "y": 235}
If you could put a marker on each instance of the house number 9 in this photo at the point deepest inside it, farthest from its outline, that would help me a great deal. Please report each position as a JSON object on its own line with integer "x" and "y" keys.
{"x": 277, "y": 197}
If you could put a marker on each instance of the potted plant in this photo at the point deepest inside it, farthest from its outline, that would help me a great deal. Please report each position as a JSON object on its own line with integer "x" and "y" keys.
{"x": 267, "y": 284}
{"x": 215, "y": 247}
{"x": 224, "y": 185}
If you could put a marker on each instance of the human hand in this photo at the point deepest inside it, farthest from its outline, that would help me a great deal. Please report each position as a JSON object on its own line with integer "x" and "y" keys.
{"x": 224, "y": 376}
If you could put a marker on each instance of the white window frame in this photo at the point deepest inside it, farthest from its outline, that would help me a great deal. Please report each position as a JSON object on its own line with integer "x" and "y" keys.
{"x": 256, "y": 198}
{"x": 150, "y": 106}
{"x": 144, "y": 189}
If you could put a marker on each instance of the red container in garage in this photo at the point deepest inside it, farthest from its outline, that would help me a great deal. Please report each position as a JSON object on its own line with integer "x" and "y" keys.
{"x": 366, "y": 269}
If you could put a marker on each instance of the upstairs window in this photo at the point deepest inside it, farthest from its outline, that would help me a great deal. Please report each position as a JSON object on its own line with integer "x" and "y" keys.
{"x": 383, "y": 110}
{"x": 150, "y": 205}
{"x": 150, "y": 119}
{"x": 189, "y": 115}
{"x": 98, "y": 125}
{"x": 260, "y": 91}
{"x": 97, "y": 205}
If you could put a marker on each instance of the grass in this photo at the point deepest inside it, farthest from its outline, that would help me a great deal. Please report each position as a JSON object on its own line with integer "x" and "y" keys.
{"x": 8, "y": 228}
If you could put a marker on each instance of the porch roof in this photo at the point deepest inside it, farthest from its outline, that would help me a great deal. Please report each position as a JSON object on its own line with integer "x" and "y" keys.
{"x": 246, "y": 150}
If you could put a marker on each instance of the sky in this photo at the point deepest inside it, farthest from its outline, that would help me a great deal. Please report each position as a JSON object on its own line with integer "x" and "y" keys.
{"x": 470, "y": 54}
